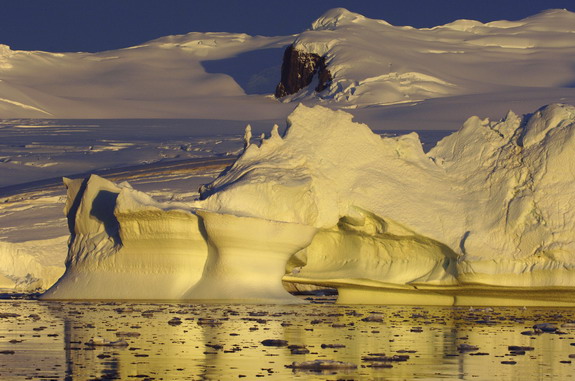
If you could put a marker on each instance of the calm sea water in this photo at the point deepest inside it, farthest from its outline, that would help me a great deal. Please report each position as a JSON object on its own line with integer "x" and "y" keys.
{"x": 50, "y": 341}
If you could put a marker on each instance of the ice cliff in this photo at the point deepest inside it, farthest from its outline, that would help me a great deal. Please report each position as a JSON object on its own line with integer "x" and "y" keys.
{"x": 486, "y": 216}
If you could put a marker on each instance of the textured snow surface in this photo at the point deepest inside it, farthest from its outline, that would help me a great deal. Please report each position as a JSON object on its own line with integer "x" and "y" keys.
{"x": 332, "y": 203}
{"x": 490, "y": 204}
{"x": 373, "y": 62}
{"x": 30, "y": 265}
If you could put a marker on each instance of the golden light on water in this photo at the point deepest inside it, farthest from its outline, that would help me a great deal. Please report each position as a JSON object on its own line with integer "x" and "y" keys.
{"x": 215, "y": 342}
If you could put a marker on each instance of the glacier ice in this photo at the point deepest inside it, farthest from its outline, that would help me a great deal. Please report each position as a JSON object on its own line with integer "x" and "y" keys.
{"x": 485, "y": 217}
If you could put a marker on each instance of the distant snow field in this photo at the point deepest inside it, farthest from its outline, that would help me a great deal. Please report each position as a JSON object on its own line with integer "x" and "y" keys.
{"x": 488, "y": 205}
{"x": 474, "y": 68}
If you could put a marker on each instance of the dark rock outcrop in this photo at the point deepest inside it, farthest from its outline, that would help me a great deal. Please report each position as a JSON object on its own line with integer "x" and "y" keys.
{"x": 298, "y": 71}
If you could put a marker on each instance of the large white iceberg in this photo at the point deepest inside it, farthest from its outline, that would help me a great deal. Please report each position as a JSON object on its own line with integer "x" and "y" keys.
{"x": 489, "y": 207}
{"x": 125, "y": 245}
{"x": 485, "y": 217}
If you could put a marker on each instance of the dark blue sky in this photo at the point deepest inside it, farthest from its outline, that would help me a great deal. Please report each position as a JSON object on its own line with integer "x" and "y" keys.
{"x": 96, "y": 25}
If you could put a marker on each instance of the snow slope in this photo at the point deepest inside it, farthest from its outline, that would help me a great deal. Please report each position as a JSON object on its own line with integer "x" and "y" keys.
{"x": 375, "y": 66}
{"x": 373, "y": 62}
{"x": 161, "y": 78}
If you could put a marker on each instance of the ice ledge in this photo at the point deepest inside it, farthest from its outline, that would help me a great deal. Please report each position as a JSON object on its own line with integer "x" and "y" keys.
{"x": 366, "y": 291}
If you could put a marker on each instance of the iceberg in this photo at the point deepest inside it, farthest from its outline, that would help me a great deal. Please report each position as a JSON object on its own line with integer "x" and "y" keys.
{"x": 485, "y": 215}
{"x": 484, "y": 218}
{"x": 124, "y": 245}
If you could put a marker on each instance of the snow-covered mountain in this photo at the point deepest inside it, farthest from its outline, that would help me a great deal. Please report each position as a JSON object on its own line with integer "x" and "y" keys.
{"x": 372, "y": 62}
{"x": 169, "y": 77}
{"x": 354, "y": 61}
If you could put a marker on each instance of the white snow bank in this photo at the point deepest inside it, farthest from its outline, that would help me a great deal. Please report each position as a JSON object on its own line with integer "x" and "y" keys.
{"x": 22, "y": 266}
{"x": 161, "y": 78}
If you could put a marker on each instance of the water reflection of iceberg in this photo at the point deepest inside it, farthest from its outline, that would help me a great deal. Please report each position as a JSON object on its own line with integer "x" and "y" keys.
{"x": 430, "y": 336}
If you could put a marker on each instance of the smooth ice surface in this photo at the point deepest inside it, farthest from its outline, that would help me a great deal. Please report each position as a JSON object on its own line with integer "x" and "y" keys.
{"x": 247, "y": 258}
{"x": 161, "y": 78}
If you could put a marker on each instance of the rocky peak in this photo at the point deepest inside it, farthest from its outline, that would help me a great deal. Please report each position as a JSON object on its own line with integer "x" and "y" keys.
{"x": 298, "y": 71}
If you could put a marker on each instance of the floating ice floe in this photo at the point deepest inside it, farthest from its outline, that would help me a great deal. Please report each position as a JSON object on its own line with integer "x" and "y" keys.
{"x": 484, "y": 218}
